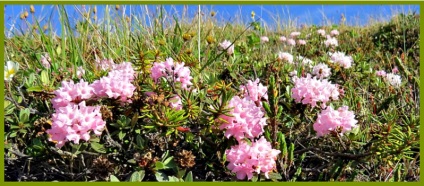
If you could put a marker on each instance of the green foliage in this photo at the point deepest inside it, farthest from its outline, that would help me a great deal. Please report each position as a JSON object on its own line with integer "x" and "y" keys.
{"x": 147, "y": 140}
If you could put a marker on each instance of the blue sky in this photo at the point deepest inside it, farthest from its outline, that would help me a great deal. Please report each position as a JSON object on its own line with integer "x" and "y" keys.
{"x": 300, "y": 14}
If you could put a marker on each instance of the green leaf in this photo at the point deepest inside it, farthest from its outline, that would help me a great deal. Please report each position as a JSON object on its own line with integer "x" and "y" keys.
{"x": 137, "y": 176}
{"x": 161, "y": 177}
{"x": 24, "y": 115}
{"x": 58, "y": 50}
{"x": 35, "y": 89}
{"x": 189, "y": 177}
{"x": 121, "y": 135}
{"x": 132, "y": 161}
{"x": 113, "y": 178}
{"x": 159, "y": 165}
{"x": 174, "y": 179}
{"x": 98, "y": 147}
{"x": 140, "y": 142}
{"x": 45, "y": 77}
{"x": 255, "y": 178}
{"x": 12, "y": 134}
{"x": 274, "y": 176}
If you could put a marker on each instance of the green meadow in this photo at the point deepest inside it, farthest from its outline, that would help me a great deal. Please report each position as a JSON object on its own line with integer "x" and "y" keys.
{"x": 147, "y": 97}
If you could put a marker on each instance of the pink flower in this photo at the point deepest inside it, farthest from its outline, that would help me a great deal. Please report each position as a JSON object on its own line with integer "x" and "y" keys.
{"x": 172, "y": 72}
{"x": 334, "y": 33}
{"x": 245, "y": 159}
{"x": 176, "y": 102}
{"x": 80, "y": 72}
{"x": 45, "y": 60}
{"x": 291, "y": 42}
{"x": 74, "y": 122}
{"x": 294, "y": 34}
{"x": 395, "y": 70}
{"x": 246, "y": 120}
{"x": 226, "y": 45}
{"x": 308, "y": 90}
{"x": 70, "y": 93}
{"x": 301, "y": 42}
{"x": 381, "y": 73}
{"x": 264, "y": 39}
{"x": 283, "y": 39}
{"x": 321, "y": 71}
{"x": 255, "y": 91}
{"x": 117, "y": 84}
{"x": 305, "y": 61}
{"x": 340, "y": 58}
{"x": 293, "y": 73}
{"x": 104, "y": 64}
{"x": 284, "y": 56}
{"x": 331, "y": 42}
{"x": 393, "y": 79}
{"x": 330, "y": 120}
{"x": 321, "y": 32}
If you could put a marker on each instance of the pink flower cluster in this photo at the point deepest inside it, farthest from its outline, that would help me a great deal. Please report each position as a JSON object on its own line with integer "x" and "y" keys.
{"x": 176, "y": 102}
{"x": 80, "y": 72}
{"x": 74, "y": 122}
{"x": 45, "y": 60}
{"x": 330, "y": 120}
{"x": 246, "y": 159}
{"x": 104, "y": 64}
{"x": 331, "y": 42}
{"x": 285, "y": 56}
{"x": 305, "y": 61}
{"x": 72, "y": 119}
{"x": 294, "y": 34}
{"x": 246, "y": 120}
{"x": 254, "y": 90}
{"x": 173, "y": 72}
{"x": 291, "y": 42}
{"x": 283, "y": 39}
{"x": 301, "y": 42}
{"x": 381, "y": 73}
{"x": 341, "y": 58}
{"x": 321, "y": 32}
{"x": 321, "y": 71}
{"x": 334, "y": 33}
{"x": 226, "y": 45}
{"x": 70, "y": 93}
{"x": 264, "y": 39}
{"x": 117, "y": 84}
{"x": 308, "y": 90}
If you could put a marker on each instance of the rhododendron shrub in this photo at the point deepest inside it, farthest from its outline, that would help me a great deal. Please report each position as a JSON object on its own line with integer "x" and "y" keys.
{"x": 393, "y": 79}
{"x": 70, "y": 93}
{"x": 331, "y": 42}
{"x": 341, "y": 58}
{"x": 117, "y": 84}
{"x": 173, "y": 72}
{"x": 310, "y": 90}
{"x": 245, "y": 159}
{"x": 104, "y": 64}
{"x": 321, "y": 71}
{"x": 284, "y": 56}
{"x": 246, "y": 120}
{"x": 74, "y": 122}
{"x": 226, "y": 45}
{"x": 330, "y": 120}
{"x": 255, "y": 90}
